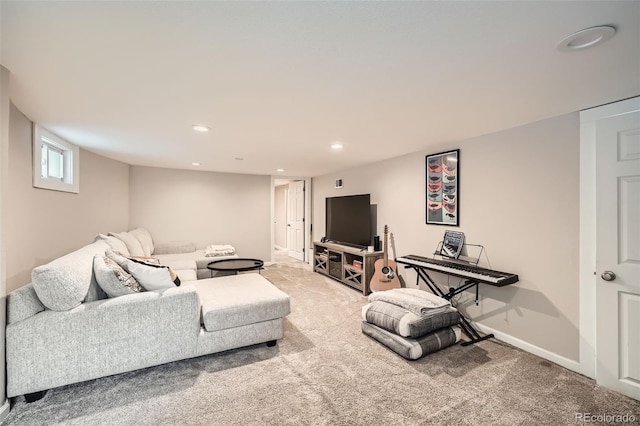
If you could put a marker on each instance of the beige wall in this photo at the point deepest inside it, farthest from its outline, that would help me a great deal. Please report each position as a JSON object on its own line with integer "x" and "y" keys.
{"x": 4, "y": 153}
{"x": 205, "y": 207}
{"x": 519, "y": 192}
{"x": 45, "y": 224}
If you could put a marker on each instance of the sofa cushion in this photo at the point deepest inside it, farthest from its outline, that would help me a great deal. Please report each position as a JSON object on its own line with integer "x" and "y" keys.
{"x": 187, "y": 275}
{"x": 23, "y": 303}
{"x": 67, "y": 281}
{"x": 239, "y": 300}
{"x": 174, "y": 247}
{"x": 144, "y": 237}
{"x": 114, "y": 280}
{"x": 133, "y": 245}
{"x": 151, "y": 276}
{"x": 115, "y": 243}
{"x": 180, "y": 264}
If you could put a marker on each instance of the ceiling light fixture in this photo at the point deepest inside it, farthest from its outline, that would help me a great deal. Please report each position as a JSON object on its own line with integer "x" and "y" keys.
{"x": 586, "y": 38}
{"x": 280, "y": 170}
{"x": 336, "y": 145}
{"x": 196, "y": 164}
{"x": 199, "y": 128}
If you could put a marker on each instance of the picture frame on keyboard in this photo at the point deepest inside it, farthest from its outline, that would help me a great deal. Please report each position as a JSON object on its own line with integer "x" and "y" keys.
{"x": 452, "y": 244}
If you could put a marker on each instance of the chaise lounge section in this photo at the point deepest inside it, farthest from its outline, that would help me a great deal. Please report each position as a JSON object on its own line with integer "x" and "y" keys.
{"x": 63, "y": 329}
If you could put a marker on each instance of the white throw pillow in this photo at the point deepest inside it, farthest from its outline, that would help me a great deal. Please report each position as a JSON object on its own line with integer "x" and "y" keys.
{"x": 145, "y": 239}
{"x": 116, "y": 244}
{"x": 133, "y": 245}
{"x": 151, "y": 277}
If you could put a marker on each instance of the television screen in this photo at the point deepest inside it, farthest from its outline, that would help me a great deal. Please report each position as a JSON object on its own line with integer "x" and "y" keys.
{"x": 349, "y": 219}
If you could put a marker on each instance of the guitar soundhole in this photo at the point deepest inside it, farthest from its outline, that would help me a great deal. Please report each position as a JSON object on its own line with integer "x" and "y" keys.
{"x": 387, "y": 272}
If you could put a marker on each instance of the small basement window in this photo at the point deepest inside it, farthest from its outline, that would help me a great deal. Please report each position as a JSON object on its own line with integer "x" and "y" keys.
{"x": 55, "y": 162}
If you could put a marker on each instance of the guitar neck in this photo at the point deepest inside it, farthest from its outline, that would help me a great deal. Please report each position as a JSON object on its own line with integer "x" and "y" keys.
{"x": 386, "y": 252}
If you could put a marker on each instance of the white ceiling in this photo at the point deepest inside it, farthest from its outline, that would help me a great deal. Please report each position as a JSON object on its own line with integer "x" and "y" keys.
{"x": 278, "y": 82}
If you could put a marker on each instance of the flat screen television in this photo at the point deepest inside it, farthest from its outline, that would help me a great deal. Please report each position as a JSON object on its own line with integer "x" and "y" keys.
{"x": 349, "y": 219}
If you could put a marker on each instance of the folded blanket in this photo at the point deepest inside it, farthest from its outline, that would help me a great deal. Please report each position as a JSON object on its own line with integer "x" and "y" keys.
{"x": 417, "y": 301}
{"x": 219, "y": 250}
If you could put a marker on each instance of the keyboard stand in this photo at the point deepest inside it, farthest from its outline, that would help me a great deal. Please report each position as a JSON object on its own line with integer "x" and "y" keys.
{"x": 465, "y": 325}
{"x": 423, "y": 275}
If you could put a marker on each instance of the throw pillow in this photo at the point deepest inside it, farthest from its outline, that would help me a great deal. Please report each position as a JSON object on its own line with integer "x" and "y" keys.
{"x": 115, "y": 243}
{"x": 151, "y": 276}
{"x": 133, "y": 245}
{"x": 118, "y": 258}
{"x": 114, "y": 280}
{"x": 67, "y": 281}
{"x": 145, "y": 239}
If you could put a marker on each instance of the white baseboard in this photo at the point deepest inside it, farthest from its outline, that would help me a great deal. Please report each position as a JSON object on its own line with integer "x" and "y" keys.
{"x": 4, "y": 410}
{"x": 525, "y": 346}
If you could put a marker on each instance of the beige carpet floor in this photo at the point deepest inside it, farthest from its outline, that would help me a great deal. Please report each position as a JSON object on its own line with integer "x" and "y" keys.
{"x": 326, "y": 372}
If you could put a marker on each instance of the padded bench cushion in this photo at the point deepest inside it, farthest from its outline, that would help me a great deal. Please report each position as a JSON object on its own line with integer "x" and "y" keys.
{"x": 402, "y": 322}
{"x": 413, "y": 348}
{"x": 239, "y": 300}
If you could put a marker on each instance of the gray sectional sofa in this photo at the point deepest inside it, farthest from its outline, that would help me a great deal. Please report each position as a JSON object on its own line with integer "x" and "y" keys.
{"x": 62, "y": 328}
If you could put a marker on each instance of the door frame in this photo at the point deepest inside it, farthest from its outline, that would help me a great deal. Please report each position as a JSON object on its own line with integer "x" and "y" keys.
{"x": 587, "y": 276}
{"x": 307, "y": 215}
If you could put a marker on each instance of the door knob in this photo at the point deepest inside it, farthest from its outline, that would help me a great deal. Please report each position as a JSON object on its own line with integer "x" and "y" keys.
{"x": 608, "y": 276}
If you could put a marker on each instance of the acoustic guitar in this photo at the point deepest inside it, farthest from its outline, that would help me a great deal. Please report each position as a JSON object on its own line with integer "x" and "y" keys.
{"x": 384, "y": 276}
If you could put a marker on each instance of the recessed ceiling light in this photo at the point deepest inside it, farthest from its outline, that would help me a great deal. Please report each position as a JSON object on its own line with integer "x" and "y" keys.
{"x": 586, "y": 38}
{"x": 280, "y": 170}
{"x": 336, "y": 145}
{"x": 238, "y": 158}
{"x": 199, "y": 128}
{"x": 196, "y": 164}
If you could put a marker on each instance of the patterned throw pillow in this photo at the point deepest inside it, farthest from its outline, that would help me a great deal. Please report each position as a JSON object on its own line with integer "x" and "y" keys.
{"x": 117, "y": 257}
{"x": 114, "y": 280}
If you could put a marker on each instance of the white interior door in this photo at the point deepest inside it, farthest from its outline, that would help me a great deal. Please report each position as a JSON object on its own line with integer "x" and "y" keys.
{"x": 618, "y": 252}
{"x": 295, "y": 220}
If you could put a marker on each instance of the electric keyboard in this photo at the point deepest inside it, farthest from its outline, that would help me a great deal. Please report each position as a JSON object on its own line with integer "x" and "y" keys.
{"x": 487, "y": 276}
